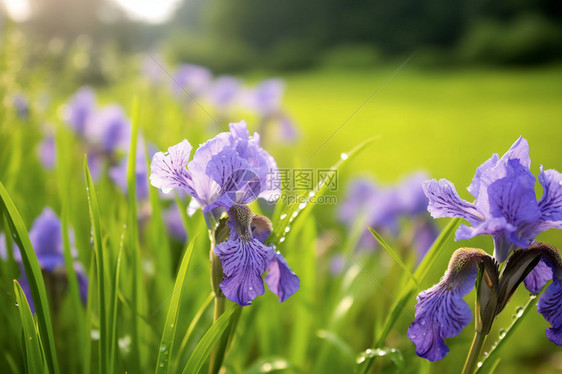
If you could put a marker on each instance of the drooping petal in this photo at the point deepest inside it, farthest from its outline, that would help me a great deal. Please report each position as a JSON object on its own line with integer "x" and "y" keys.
{"x": 441, "y": 311}
{"x": 243, "y": 263}
{"x": 280, "y": 279}
{"x": 168, "y": 170}
{"x": 244, "y": 258}
{"x": 474, "y": 187}
{"x": 550, "y": 306}
{"x": 538, "y": 277}
{"x": 444, "y": 201}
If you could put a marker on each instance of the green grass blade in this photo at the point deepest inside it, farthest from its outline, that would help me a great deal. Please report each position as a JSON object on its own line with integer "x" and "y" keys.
{"x": 34, "y": 277}
{"x": 291, "y": 212}
{"x": 169, "y": 333}
{"x": 132, "y": 224}
{"x": 490, "y": 361}
{"x": 190, "y": 329}
{"x": 104, "y": 344}
{"x": 421, "y": 272}
{"x": 114, "y": 302}
{"x": 210, "y": 339}
{"x": 366, "y": 359}
{"x": 33, "y": 352}
{"x": 395, "y": 256}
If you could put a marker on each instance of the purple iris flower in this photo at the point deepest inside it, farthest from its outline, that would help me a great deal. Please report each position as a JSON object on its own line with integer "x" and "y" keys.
{"x": 46, "y": 238}
{"x": 245, "y": 258}
{"x": 109, "y": 128}
{"x": 191, "y": 78}
{"x": 47, "y": 152}
{"x": 507, "y": 209}
{"x": 230, "y": 168}
{"x": 223, "y": 91}
{"x": 383, "y": 207}
{"x": 506, "y": 206}
{"x": 79, "y": 109}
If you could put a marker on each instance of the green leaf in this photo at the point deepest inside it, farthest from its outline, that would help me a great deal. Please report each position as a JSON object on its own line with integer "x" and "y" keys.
{"x": 269, "y": 365}
{"x": 104, "y": 317}
{"x": 421, "y": 272}
{"x": 395, "y": 256}
{"x": 291, "y": 212}
{"x": 366, "y": 359}
{"x": 33, "y": 353}
{"x": 190, "y": 329}
{"x": 210, "y": 339}
{"x": 490, "y": 361}
{"x": 169, "y": 333}
{"x": 133, "y": 247}
{"x": 34, "y": 277}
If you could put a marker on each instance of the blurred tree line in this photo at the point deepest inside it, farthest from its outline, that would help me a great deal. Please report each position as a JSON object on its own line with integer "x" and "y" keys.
{"x": 297, "y": 34}
{"x": 238, "y": 35}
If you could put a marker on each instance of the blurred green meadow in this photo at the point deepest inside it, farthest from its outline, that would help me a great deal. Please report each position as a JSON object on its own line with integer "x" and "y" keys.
{"x": 150, "y": 307}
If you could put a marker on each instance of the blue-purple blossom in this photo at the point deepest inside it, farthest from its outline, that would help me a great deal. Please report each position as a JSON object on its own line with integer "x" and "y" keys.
{"x": 245, "y": 258}
{"x": 223, "y": 92}
{"x": 79, "y": 109}
{"x": 382, "y": 208}
{"x": 230, "y": 168}
{"x": 191, "y": 78}
{"x": 46, "y": 238}
{"x": 441, "y": 311}
{"x": 109, "y": 128}
{"x": 506, "y": 206}
{"x": 47, "y": 152}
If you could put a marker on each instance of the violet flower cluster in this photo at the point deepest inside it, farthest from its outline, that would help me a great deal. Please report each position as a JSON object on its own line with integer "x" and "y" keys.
{"x": 383, "y": 207}
{"x": 226, "y": 94}
{"x": 507, "y": 209}
{"x": 46, "y": 238}
{"x": 225, "y": 174}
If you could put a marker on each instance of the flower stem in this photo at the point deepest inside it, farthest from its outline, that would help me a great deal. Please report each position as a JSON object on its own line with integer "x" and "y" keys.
{"x": 217, "y": 355}
{"x": 474, "y": 353}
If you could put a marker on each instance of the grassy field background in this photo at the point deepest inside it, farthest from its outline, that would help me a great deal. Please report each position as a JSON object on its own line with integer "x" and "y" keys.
{"x": 444, "y": 121}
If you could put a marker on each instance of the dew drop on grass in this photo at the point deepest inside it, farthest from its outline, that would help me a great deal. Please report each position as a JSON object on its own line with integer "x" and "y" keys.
{"x": 161, "y": 365}
{"x": 283, "y": 216}
{"x": 479, "y": 364}
{"x": 162, "y": 348}
{"x": 344, "y": 156}
{"x": 17, "y": 305}
{"x": 519, "y": 311}
{"x": 502, "y": 333}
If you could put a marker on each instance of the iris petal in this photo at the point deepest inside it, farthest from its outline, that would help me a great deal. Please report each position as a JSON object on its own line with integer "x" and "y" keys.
{"x": 280, "y": 279}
